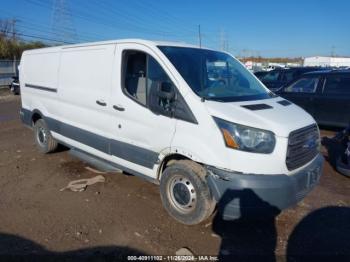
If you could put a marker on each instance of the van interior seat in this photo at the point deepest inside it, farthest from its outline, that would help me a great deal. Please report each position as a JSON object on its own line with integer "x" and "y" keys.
{"x": 135, "y": 82}
{"x": 141, "y": 90}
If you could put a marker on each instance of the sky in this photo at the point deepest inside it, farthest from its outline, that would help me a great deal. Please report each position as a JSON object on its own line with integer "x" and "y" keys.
{"x": 269, "y": 28}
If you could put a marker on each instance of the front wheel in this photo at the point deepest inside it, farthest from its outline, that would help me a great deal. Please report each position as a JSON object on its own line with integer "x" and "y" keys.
{"x": 185, "y": 193}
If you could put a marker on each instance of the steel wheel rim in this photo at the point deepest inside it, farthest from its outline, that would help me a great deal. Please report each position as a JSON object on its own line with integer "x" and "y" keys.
{"x": 41, "y": 136}
{"x": 182, "y": 194}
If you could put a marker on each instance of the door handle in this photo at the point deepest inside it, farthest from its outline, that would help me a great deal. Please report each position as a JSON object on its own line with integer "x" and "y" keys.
{"x": 119, "y": 108}
{"x": 101, "y": 102}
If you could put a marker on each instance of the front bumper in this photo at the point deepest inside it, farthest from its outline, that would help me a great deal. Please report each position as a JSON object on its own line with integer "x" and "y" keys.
{"x": 239, "y": 195}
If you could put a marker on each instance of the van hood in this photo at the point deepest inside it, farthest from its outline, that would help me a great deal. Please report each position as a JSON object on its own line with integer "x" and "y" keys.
{"x": 265, "y": 114}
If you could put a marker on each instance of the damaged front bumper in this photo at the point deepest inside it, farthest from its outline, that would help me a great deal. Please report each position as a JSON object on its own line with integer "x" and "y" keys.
{"x": 241, "y": 195}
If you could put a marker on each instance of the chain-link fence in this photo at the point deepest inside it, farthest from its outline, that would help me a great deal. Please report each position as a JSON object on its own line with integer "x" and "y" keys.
{"x": 8, "y": 69}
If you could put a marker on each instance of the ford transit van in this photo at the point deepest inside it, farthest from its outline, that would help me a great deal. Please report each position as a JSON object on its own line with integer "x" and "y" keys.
{"x": 192, "y": 120}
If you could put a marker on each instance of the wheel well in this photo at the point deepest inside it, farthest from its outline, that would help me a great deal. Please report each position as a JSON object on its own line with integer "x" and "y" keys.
{"x": 35, "y": 117}
{"x": 168, "y": 160}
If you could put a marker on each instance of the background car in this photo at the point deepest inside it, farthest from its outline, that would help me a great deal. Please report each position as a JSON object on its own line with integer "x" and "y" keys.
{"x": 14, "y": 87}
{"x": 260, "y": 74}
{"x": 324, "y": 94}
{"x": 279, "y": 77}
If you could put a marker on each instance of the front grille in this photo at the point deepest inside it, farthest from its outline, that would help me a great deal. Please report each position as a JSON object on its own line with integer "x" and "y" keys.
{"x": 303, "y": 146}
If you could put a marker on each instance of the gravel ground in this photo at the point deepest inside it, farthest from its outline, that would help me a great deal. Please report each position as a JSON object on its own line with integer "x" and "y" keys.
{"x": 124, "y": 215}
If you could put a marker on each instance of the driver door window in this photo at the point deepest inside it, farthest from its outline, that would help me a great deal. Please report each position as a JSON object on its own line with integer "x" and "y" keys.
{"x": 141, "y": 72}
{"x": 135, "y": 64}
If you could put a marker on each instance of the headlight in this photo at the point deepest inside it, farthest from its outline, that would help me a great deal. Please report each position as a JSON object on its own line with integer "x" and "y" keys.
{"x": 246, "y": 138}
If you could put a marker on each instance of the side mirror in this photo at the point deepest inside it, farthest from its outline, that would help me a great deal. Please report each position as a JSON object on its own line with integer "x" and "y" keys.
{"x": 162, "y": 97}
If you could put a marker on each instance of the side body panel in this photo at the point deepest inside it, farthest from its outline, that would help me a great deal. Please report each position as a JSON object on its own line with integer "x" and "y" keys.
{"x": 39, "y": 81}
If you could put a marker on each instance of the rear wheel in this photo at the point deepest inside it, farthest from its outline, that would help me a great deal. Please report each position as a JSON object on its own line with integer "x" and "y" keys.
{"x": 185, "y": 193}
{"x": 43, "y": 138}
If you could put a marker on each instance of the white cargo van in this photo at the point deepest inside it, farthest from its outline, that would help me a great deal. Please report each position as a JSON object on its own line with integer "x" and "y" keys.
{"x": 191, "y": 119}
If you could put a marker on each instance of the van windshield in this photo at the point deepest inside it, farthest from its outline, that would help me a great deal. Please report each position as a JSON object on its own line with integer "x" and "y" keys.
{"x": 215, "y": 75}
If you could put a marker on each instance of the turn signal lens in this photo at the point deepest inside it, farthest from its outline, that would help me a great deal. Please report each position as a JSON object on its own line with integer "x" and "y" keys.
{"x": 229, "y": 140}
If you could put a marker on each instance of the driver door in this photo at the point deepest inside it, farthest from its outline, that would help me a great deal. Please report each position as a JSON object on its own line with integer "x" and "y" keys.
{"x": 139, "y": 135}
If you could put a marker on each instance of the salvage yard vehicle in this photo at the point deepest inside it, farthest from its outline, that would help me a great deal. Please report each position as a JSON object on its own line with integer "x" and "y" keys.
{"x": 323, "y": 94}
{"x": 339, "y": 150}
{"x": 14, "y": 87}
{"x": 151, "y": 109}
{"x": 279, "y": 77}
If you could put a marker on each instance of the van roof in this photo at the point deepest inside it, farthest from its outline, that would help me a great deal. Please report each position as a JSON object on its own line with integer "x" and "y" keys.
{"x": 137, "y": 41}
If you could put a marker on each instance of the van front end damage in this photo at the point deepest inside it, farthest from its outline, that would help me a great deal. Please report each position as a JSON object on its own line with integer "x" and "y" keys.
{"x": 241, "y": 194}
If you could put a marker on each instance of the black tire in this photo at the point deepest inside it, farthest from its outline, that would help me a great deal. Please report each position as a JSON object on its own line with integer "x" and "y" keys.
{"x": 185, "y": 193}
{"x": 342, "y": 168}
{"x": 43, "y": 138}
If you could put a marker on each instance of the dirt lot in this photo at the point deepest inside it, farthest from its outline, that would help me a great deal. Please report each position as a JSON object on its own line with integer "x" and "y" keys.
{"x": 124, "y": 215}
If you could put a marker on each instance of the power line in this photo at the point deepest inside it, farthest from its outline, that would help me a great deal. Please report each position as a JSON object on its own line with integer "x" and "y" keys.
{"x": 43, "y": 31}
{"x": 122, "y": 25}
{"x": 43, "y": 38}
{"x": 124, "y": 21}
{"x": 121, "y": 19}
{"x": 175, "y": 22}
{"x": 36, "y": 28}
{"x": 62, "y": 23}
{"x": 30, "y": 22}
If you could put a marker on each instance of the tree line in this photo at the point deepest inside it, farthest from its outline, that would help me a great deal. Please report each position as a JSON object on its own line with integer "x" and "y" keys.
{"x": 11, "y": 46}
{"x": 260, "y": 59}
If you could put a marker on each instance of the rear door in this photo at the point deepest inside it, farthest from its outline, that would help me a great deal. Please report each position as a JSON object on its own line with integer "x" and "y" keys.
{"x": 139, "y": 135}
{"x": 302, "y": 92}
{"x": 332, "y": 104}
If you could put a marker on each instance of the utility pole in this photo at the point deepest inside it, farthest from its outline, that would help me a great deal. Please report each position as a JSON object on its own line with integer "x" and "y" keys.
{"x": 62, "y": 22}
{"x": 13, "y": 29}
{"x": 226, "y": 43}
{"x": 199, "y": 36}
{"x": 221, "y": 40}
{"x": 14, "y": 38}
{"x": 333, "y": 51}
